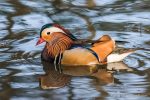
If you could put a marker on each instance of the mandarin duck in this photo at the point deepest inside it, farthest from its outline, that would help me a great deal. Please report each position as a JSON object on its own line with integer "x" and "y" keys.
{"x": 64, "y": 48}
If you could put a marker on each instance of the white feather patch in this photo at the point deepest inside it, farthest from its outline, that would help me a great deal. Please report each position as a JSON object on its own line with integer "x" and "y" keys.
{"x": 55, "y": 29}
{"x": 117, "y": 57}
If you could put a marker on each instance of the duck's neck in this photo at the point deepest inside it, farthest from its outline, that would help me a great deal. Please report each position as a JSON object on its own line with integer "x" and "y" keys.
{"x": 58, "y": 44}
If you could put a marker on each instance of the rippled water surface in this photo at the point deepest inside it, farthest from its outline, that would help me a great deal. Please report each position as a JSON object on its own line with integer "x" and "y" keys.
{"x": 24, "y": 77}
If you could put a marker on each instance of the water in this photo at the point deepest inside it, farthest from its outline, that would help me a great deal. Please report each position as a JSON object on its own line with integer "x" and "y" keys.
{"x": 23, "y": 76}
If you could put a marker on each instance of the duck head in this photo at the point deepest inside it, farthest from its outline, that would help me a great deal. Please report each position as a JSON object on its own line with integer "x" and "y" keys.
{"x": 48, "y": 29}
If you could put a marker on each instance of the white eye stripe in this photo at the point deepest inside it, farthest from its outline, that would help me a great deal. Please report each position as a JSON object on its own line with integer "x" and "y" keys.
{"x": 55, "y": 29}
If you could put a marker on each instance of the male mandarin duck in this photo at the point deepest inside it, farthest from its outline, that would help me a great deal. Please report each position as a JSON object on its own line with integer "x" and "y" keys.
{"x": 64, "y": 48}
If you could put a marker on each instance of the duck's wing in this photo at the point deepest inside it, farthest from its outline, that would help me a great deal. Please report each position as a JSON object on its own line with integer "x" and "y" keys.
{"x": 108, "y": 52}
{"x": 103, "y": 48}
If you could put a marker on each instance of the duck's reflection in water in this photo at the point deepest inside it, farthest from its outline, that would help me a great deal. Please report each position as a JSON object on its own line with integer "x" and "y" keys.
{"x": 52, "y": 78}
{"x": 56, "y": 79}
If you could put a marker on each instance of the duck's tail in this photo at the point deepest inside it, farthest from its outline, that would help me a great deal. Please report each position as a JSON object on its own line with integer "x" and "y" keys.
{"x": 120, "y": 53}
{"x": 116, "y": 57}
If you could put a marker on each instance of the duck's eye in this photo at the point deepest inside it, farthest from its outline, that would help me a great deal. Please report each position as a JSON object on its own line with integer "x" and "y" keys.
{"x": 48, "y": 33}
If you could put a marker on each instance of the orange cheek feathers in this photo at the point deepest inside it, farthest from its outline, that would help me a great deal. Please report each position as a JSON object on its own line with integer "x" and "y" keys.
{"x": 46, "y": 37}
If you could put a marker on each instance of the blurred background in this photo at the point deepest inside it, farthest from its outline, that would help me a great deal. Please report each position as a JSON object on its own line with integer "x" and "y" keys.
{"x": 20, "y": 63}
